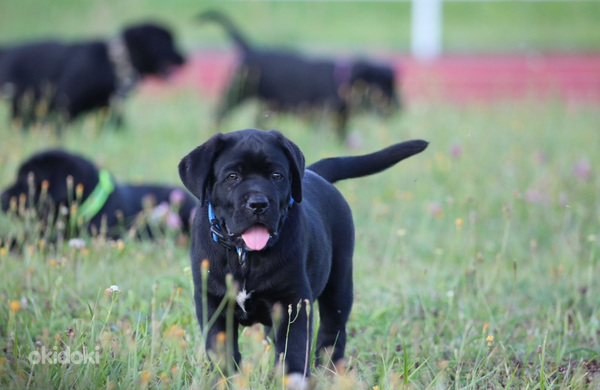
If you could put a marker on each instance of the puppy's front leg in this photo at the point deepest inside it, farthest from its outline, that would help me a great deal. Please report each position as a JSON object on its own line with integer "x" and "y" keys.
{"x": 293, "y": 337}
{"x": 221, "y": 338}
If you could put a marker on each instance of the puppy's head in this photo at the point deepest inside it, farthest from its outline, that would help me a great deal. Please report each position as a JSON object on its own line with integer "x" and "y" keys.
{"x": 375, "y": 86}
{"x": 41, "y": 181}
{"x": 151, "y": 49}
{"x": 250, "y": 178}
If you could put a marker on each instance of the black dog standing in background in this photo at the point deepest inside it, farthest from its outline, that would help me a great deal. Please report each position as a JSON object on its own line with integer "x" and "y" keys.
{"x": 288, "y": 82}
{"x": 102, "y": 197}
{"x": 46, "y": 78}
{"x": 284, "y": 233}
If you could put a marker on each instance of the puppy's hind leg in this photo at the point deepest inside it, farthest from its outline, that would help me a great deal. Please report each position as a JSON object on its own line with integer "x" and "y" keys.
{"x": 341, "y": 117}
{"x": 335, "y": 305}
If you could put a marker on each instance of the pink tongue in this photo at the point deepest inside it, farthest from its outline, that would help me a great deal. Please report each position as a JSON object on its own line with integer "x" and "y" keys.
{"x": 256, "y": 237}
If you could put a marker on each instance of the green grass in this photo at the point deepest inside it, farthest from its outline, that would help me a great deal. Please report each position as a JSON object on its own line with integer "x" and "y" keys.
{"x": 489, "y": 232}
{"x": 505, "y": 26}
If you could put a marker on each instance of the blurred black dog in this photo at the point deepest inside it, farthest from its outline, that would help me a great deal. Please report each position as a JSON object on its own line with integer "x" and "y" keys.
{"x": 51, "y": 181}
{"x": 283, "y": 233}
{"x": 288, "y": 82}
{"x": 52, "y": 78}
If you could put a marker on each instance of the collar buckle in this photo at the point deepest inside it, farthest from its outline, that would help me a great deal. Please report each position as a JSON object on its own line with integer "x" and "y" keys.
{"x": 218, "y": 236}
{"x": 241, "y": 255}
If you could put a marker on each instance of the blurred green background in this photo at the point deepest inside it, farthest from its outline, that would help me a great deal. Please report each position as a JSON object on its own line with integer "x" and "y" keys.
{"x": 468, "y": 26}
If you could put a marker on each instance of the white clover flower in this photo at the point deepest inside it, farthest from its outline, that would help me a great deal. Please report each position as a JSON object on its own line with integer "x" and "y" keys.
{"x": 77, "y": 243}
{"x": 114, "y": 289}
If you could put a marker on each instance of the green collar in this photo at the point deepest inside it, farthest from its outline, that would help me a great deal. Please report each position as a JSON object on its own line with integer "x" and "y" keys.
{"x": 97, "y": 198}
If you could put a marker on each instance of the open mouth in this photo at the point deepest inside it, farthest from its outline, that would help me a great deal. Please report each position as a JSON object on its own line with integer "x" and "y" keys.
{"x": 256, "y": 237}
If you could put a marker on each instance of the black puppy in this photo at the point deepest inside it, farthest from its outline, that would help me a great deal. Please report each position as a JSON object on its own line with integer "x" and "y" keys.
{"x": 284, "y": 233}
{"x": 65, "y": 80}
{"x": 288, "y": 82}
{"x": 42, "y": 184}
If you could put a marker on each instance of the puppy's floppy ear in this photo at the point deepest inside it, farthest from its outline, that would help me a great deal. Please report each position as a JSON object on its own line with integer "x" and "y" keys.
{"x": 195, "y": 169}
{"x": 296, "y": 158}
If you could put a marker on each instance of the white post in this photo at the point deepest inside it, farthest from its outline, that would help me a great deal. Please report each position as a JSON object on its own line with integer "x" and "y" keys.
{"x": 426, "y": 33}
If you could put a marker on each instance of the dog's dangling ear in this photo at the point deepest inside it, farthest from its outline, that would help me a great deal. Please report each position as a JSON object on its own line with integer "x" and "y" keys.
{"x": 195, "y": 169}
{"x": 296, "y": 158}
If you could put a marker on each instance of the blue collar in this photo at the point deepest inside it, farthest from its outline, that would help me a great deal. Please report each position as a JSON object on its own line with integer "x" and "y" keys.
{"x": 219, "y": 238}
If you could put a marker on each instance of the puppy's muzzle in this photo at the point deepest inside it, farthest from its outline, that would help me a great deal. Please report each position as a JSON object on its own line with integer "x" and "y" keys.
{"x": 258, "y": 204}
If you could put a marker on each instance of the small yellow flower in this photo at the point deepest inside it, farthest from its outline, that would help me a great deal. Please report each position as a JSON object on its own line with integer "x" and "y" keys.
{"x": 221, "y": 337}
{"x": 3, "y": 251}
{"x": 458, "y": 222}
{"x": 120, "y": 245}
{"x": 205, "y": 265}
{"x": 490, "y": 339}
{"x": 223, "y": 383}
{"x": 79, "y": 190}
{"x": 486, "y": 326}
{"x": 145, "y": 377}
{"x": 52, "y": 262}
{"x": 15, "y": 306}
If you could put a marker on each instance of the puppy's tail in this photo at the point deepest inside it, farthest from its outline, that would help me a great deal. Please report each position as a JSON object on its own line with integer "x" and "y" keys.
{"x": 340, "y": 168}
{"x": 228, "y": 25}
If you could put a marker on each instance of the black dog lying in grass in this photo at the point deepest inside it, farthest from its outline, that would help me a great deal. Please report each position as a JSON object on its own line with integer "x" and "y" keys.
{"x": 288, "y": 82}
{"x": 65, "y": 189}
{"x": 283, "y": 234}
{"x": 53, "y": 79}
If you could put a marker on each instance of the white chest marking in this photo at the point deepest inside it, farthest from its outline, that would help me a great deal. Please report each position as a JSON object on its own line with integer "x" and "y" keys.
{"x": 241, "y": 298}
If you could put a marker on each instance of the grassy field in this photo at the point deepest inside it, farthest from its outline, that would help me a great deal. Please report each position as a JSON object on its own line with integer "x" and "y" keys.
{"x": 476, "y": 262}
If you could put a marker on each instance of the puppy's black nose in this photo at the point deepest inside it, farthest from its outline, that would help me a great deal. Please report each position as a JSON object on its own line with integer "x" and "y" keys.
{"x": 258, "y": 203}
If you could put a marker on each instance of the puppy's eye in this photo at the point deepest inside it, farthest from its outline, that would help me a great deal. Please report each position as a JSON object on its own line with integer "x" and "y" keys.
{"x": 277, "y": 176}
{"x": 233, "y": 176}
